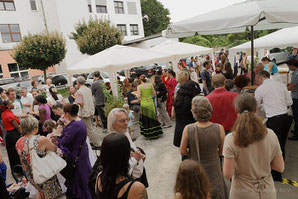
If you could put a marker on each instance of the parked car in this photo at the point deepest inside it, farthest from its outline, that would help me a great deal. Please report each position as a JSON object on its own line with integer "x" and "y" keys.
{"x": 41, "y": 77}
{"x": 104, "y": 76}
{"x": 146, "y": 70}
{"x": 278, "y": 55}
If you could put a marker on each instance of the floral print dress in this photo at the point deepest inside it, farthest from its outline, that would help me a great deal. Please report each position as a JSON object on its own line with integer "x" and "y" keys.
{"x": 51, "y": 188}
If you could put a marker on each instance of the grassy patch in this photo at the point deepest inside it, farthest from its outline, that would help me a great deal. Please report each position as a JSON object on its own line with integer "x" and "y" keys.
{"x": 63, "y": 92}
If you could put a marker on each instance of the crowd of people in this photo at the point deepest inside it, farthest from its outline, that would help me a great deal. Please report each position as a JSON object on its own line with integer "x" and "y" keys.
{"x": 219, "y": 132}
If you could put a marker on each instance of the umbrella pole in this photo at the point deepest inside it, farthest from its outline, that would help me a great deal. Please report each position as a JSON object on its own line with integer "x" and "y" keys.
{"x": 252, "y": 54}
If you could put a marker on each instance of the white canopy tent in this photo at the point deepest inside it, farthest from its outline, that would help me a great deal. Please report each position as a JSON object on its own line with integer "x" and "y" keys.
{"x": 287, "y": 37}
{"x": 179, "y": 50}
{"x": 118, "y": 58}
{"x": 253, "y": 14}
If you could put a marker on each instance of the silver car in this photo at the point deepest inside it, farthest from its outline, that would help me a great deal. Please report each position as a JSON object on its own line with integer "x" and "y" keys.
{"x": 278, "y": 55}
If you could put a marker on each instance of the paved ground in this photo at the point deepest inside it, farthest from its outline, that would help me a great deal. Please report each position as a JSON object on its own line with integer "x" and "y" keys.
{"x": 163, "y": 160}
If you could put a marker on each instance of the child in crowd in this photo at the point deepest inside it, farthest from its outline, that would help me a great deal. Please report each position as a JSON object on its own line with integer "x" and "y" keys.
{"x": 54, "y": 130}
{"x": 130, "y": 123}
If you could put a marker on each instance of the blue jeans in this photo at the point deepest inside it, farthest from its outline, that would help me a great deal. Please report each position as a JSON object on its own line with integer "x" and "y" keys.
{"x": 205, "y": 92}
{"x": 295, "y": 115}
{"x": 3, "y": 169}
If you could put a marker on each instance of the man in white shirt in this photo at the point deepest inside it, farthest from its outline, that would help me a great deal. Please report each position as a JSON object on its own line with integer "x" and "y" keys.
{"x": 18, "y": 110}
{"x": 276, "y": 99}
{"x": 26, "y": 99}
{"x": 118, "y": 123}
{"x": 46, "y": 87}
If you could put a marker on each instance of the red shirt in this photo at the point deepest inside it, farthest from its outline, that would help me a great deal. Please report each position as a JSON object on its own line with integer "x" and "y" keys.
{"x": 224, "y": 112}
{"x": 7, "y": 117}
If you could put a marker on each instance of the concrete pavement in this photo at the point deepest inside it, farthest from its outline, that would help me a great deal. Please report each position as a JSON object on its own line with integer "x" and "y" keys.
{"x": 163, "y": 160}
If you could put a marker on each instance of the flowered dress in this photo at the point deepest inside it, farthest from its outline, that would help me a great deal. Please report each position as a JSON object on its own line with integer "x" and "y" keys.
{"x": 51, "y": 188}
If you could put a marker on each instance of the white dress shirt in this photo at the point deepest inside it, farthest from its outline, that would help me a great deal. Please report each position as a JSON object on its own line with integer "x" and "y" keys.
{"x": 274, "y": 96}
{"x": 136, "y": 168}
{"x": 27, "y": 100}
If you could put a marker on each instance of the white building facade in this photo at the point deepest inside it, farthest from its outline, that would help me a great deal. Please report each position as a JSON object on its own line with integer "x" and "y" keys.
{"x": 20, "y": 17}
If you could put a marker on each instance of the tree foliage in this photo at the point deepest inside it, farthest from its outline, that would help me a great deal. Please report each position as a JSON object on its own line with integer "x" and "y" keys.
{"x": 95, "y": 36}
{"x": 227, "y": 40}
{"x": 155, "y": 16}
{"x": 40, "y": 51}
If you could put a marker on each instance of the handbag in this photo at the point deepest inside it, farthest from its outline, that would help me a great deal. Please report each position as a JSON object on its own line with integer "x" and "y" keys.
{"x": 69, "y": 171}
{"x": 197, "y": 142}
{"x": 44, "y": 168}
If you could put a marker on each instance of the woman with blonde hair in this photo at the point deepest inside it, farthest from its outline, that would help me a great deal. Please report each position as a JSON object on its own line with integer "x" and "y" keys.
{"x": 51, "y": 188}
{"x": 191, "y": 182}
{"x": 242, "y": 150}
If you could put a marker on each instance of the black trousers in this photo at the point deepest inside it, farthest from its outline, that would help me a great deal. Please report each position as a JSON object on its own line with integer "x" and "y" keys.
{"x": 11, "y": 139}
{"x": 281, "y": 125}
{"x": 101, "y": 114}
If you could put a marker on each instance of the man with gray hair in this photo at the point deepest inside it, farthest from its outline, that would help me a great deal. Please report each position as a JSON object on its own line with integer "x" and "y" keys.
{"x": 118, "y": 123}
{"x": 26, "y": 99}
{"x": 85, "y": 100}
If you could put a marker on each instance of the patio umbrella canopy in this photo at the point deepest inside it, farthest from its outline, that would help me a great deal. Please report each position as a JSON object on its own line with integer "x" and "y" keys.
{"x": 180, "y": 50}
{"x": 118, "y": 58}
{"x": 253, "y": 14}
{"x": 287, "y": 37}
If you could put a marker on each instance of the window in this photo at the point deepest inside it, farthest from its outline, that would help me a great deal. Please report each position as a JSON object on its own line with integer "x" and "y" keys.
{"x": 119, "y": 9}
{"x": 134, "y": 29}
{"x": 89, "y": 6}
{"x": 10, "y": 33}
{"x": 7, "y": 5}
{"x": 101, "y": 9}
{"x": 132, "y": 8}
{"x": 122, "y": 28}
{"x": 33, "y": 5}
{"x": 17, "y": 72}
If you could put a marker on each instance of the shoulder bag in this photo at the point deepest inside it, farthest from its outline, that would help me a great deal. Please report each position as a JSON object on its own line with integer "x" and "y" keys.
{"x": 197, "y": 141}
{"x": 69, "y": 171}
{"x": 44, "y": 168}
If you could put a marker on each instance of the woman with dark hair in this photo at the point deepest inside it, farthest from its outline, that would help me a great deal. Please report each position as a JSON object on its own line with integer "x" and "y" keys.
{"x": 249, "y": 136}
{"x": 271, "y": 67}
{"x": 191, "y": 181}
{"x": 34, "y": 85}
{"x": 182, "y": 107}
{"x": 113, "y": 182}
{"x": 161, "y": 93}
{"x": 73, "y": 139}
{"x": 218, "y": 69}
{"x": 171, "y": 88}
{"x": 240, "y": 82}
{"x": 54, "y": 97}
{"x": 149, "y": 124}
{"x": 13, "y": 131}
{"x": 44, "y": 112}
{"x": 228, "y": 72}
{"x": 244, "y": 64}
{"x": 164, "y": 77}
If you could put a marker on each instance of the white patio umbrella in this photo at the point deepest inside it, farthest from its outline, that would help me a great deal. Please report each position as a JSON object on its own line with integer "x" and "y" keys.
{"x": 253, "y": 14}
{"x": 283, "y": 38}
{"x": 179, "y": 50}
{"x": 117, "y": 58}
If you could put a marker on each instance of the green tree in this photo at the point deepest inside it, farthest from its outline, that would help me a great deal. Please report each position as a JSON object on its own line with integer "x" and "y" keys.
{"x": 40, "y": 51}
{"x": 95, "y": 36}
{"x": 155, "y": 17}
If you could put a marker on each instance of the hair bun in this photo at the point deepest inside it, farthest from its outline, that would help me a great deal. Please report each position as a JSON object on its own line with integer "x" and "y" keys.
{"x": 75, "y": 109}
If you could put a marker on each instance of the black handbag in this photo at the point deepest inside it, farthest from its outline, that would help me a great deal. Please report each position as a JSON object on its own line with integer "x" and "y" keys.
{"x": 71, "y": 165}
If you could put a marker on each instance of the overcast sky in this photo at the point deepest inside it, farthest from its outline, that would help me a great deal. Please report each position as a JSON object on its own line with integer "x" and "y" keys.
{"x": 184, "y": 9}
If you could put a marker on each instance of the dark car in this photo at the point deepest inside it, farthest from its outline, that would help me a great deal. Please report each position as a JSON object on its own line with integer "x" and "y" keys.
{"x": 59, "y": 80}
{"x": 146, "y": 70}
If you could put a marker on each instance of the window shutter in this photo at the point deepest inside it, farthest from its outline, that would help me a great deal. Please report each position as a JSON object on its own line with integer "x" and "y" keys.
{"x": 132, "y": 8}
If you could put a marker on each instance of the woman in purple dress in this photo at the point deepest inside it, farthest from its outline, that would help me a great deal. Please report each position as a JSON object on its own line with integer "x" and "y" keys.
{"x": 44, "y": 113}
{"x": 73, "y": 135}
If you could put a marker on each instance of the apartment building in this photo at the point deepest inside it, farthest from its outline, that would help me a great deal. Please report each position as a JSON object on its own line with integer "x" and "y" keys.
{"x": 20, "y": 17}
